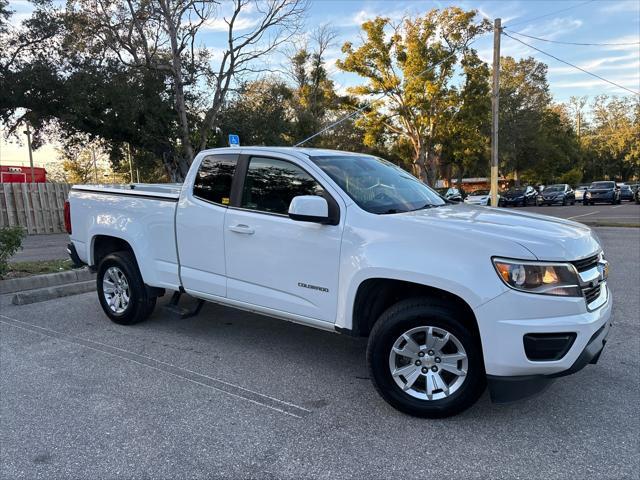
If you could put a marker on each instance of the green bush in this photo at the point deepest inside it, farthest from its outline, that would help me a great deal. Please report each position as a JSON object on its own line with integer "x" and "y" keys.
{"x": 10, "y": 243}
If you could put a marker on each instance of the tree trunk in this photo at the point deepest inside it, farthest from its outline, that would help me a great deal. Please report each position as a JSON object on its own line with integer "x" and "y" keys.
{"x": 419, "y": 165}
{"x": 460, "y": 176}
{"x": 178, "y": 87}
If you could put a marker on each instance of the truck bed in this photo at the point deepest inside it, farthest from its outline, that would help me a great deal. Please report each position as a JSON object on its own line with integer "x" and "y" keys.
{"x": 140, "y": 214}
{"x": 162, "y": 190}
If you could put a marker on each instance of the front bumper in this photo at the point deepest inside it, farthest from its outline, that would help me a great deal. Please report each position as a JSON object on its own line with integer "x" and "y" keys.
{"x": 510, "y": 389}
{"x": 512, "y": 201}
{"x": 505, "y": 320}
{"x": 600, "y": 197}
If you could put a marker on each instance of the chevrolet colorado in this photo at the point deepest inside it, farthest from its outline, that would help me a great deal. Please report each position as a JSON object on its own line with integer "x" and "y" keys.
{"x": 451, "y": 297}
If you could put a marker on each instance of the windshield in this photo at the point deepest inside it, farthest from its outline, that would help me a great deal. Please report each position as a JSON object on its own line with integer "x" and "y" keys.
{"x": 516, "y": 191}
{"x": 602, "y": 185}
{"x": 376, "y": 185}
{"x": 478, "y": 193}
{"x": 554, "y": 188}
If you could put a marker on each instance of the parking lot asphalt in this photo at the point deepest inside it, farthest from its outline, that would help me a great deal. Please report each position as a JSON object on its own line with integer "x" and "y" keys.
{"x": 625, "y": 214}
{"x": 228, "y": 394}
{"x": 43, "y": 247}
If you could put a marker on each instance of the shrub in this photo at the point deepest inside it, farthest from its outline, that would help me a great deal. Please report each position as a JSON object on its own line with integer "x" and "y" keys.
{"x": 10, "y": 243}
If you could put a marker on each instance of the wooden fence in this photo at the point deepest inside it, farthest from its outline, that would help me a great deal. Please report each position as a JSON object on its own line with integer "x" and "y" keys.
{"x": 38, "y": 207}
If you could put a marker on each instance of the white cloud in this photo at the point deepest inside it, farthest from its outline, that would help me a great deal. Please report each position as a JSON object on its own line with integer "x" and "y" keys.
{"x": 220, "y": 25}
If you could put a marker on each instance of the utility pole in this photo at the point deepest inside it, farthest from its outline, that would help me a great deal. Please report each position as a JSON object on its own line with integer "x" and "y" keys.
{"x": 95, "y": 165}
{"x": 27, "y": 132}
{"x": 495, "y": 96}
{"x": 130, "y": 164}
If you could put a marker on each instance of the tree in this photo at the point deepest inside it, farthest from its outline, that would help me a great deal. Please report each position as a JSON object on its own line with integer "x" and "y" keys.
{"x": 314, "y": 95}
{"x": 464, "y": 133}
{"x": 612, "y": 140}
{"x": 409, "y": 68}
{"x": 162, "y": 36}
{"x": 524, "y": 97}
{"x": 259, "y": 113}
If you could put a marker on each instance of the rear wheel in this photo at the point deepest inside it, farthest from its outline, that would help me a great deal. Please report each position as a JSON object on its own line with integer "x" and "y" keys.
{"x": 424, "y": 361}
{"x": 121, "y": 290}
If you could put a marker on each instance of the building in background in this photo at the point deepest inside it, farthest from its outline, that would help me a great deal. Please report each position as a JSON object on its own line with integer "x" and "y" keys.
{"x": 16, "y": 174}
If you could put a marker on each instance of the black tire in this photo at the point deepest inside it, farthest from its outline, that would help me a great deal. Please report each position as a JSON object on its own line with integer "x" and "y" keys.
{"x": 402, "y": 317}
{"x": 141, "y": 304}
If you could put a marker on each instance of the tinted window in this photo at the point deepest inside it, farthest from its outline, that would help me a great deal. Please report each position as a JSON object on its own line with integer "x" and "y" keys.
{"x": 377, "y": 185}
{"x": 213, "y": 182}
{"x": 271, "y": 184}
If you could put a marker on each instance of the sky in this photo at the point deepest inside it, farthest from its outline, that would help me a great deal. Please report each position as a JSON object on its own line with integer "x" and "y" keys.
{"x": 579, "y": 21}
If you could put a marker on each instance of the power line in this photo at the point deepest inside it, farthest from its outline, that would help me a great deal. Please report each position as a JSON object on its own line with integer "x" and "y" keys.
{"x": 575, "y": 43}
{"x": 549, "y": 14}
{"x": 572, "y": 65}
{"x": 359, "y": 110}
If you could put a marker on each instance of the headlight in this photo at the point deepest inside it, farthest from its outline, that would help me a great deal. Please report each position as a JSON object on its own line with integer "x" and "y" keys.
{"x": 560, "y": 279}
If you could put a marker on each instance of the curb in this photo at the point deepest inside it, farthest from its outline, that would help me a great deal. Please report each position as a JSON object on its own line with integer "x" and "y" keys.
{"x": 48, "y": 293}
{"x": 47, "y": 280}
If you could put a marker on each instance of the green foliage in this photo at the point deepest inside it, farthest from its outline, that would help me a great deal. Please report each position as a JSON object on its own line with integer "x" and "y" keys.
{"x": 10, "y": 242}
{"x": 572, "y": 177}
{"x": 412, "y": 66}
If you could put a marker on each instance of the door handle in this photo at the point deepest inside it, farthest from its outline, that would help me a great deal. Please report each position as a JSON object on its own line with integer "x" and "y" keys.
{"x": 241, "y": 228}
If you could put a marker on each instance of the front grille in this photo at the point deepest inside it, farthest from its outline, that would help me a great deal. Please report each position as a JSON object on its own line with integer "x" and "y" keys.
{"x": 590, "y": 294}
{"x": 586, "y": 263}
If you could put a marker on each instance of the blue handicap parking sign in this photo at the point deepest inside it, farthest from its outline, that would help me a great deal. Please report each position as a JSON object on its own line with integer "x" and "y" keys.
{"x": 234, "y": 140}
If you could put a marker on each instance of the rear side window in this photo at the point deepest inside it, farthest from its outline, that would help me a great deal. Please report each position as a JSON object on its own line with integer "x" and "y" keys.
{"x": 271, "y": 184}
{"x": 213, "y": 182}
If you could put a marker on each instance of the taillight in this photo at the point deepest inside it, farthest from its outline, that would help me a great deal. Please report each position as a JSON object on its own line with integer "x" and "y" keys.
{"x": 67, "y": 217}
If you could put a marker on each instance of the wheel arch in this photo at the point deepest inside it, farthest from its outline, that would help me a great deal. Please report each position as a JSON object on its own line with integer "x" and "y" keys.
{"x": 375, "y": 295}
{"x": 103, "y": 245}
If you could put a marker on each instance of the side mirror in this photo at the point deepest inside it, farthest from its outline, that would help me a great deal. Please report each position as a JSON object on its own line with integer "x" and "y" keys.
{"x": 309, "y": 208}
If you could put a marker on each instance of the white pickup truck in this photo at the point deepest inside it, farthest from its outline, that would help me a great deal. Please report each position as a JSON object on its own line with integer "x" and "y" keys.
{"x": 452, "y": 297}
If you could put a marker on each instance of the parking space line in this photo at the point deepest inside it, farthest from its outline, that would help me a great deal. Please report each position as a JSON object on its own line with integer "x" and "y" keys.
{"x": 583, "y": 215}
{"x": 617, "y": 206}
{"x": 236, "y": 391}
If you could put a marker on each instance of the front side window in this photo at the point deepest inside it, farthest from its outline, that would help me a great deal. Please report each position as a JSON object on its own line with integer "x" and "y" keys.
{"x": 213, "y": 182}
{"x": 271, "y": 184}
{"x": 376, "y": 185}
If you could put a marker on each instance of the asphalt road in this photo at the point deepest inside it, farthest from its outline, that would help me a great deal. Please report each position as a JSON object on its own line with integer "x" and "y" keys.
{"x": 627, "y": 213}
{"x": 229, "y": 394}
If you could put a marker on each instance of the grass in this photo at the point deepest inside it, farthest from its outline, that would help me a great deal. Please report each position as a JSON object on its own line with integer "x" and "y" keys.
{"x": 26, "y": 269}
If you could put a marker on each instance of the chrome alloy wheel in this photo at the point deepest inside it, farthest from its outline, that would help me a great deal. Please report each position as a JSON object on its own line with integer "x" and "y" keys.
{"x": 428, "y": 363}
{"x": 116, "y": 290}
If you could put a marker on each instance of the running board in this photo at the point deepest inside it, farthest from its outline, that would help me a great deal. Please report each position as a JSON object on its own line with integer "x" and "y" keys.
{"x": 174, "y": 307}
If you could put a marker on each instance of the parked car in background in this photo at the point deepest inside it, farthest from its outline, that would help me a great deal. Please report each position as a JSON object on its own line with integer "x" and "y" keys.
{"x": 521, "y": 196}
{"x": 626, "y": 193}
{"x": 451, "y": 194}
{"x": 561, "y": 193}
{"x": 602, "y": 192}
{"x": 579, "y": 192}
{"x": 479, "y": 197}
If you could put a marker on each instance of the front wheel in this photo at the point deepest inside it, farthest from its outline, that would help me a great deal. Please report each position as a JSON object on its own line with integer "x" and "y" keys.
{"x": 121, "y": 290}
{"x": 424, "y": 360}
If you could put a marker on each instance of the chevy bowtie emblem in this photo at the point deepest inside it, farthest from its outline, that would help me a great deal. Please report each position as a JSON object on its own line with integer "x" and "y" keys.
{"x": 603, "y": 268}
